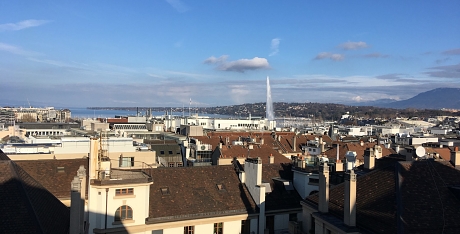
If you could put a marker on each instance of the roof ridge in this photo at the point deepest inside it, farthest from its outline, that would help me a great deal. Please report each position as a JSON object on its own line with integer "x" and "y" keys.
{"x": 30, "y": 207}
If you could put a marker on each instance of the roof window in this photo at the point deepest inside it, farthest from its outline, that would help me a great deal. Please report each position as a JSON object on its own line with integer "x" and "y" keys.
{"x": 164, "y": 191}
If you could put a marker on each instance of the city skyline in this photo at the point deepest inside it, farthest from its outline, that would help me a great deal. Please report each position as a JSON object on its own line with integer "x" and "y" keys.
{"x": 164, "y": 53}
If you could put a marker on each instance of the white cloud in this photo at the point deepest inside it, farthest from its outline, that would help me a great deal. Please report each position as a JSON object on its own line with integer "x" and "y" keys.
{"x": 15, "y": 50}
{"x": 357, "y": 99}
{"x": 22, "y": 25}
{"x": 350, "y": 45}
{"x": 213, "y": 60}
{"x": 240, "y": 65}
{"x": 327, "y": 55}
{"x": 178, "y": 5}
{"x": 274, "y": 47}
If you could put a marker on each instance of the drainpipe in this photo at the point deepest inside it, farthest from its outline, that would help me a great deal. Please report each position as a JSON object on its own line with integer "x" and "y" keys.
{"x": 106, "y": 201}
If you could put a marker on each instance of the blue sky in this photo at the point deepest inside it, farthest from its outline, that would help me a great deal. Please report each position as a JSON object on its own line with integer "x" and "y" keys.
{"x": 166, "y": 52}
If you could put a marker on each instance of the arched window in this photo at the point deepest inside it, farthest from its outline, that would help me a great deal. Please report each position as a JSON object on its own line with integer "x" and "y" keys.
{"x": 124, "y": 213}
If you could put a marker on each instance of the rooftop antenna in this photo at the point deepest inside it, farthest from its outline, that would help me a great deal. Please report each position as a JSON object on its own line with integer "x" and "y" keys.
{"x": 29, "y": 103}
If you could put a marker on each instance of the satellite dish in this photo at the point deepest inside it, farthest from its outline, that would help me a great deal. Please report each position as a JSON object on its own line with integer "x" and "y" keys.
{"x": 420, "y": 151}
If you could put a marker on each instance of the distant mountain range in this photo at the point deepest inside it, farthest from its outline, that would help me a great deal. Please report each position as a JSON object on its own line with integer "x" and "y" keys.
{"x": 434, "y": 99}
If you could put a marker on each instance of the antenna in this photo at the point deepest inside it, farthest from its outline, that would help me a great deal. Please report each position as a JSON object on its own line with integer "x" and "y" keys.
{"x": 29, "y": 103}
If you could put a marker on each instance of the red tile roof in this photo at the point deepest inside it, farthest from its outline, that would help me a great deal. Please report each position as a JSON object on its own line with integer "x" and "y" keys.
{"x": 344, "y": 147}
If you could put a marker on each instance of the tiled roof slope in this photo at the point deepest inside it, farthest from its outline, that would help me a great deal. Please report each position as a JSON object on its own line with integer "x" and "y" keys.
{"x": 279, "y": 198}
{"x": 194, "y": 193}
{"x": 270, "y": 147}
{"x": 262, "y": 151}
{"x": 419, "y": 190}
{"x": 344, "y": 147}
{"x": 26, "y": 206}
{"x": 288, "y": 143}
{"x": 47, "y": 174}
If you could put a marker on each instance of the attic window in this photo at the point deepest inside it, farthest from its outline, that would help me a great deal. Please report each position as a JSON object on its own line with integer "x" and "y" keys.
{"x": 60, "y": 169}
{"x": 164, "y": 191}
{"x": 220, "y": 187}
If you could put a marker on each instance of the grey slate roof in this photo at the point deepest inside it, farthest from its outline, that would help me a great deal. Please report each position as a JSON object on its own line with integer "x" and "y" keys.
{"x": 403, "y": 197}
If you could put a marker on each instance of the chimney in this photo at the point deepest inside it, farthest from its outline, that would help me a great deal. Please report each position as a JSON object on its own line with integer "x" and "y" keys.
{"x": 271, "y": 159}
{"x": 338, "y": 162}
{"x": 321, "y": 144}
{"x": 93, "y": 155}
{"x": 350, "y": 199}
{"x": 294, "y": 143}
{"x": 455, "y": 157}
{"x": 81, "y": 173}
{"x": 262, "y": 141}
{"x": 76, "y": 214}
{"x": 369, "y": 159}
{"x": 323, "y": 205}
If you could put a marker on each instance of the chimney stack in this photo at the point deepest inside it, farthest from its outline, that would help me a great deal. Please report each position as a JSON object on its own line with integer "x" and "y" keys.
{"x": 76, "y": 214}
{"x": 323, "y": 205}
{"x": 455, "y": 157}
{"x": 294, "y": 143}
{"x": 350, "y": 199}
{"x": 321, "y": 144}
{"x": 338, "y": 162}
{"x": 271, "y": 159}
{"x": 369, "y": 159}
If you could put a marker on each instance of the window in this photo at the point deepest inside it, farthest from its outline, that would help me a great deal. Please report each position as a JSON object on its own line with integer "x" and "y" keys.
{"x": 127, "y": 162}
{"x": 164, "y": 191}
{"x": 189, "y": 229}
{"x": 60, "y": 169}
{"x": 245, "y": 226}
{"x": 220, "y": 187}
{"x": 179, "y": 165}
{"x": 170, "y": 152}
{"x": 313, "y": 181}
{"x": 124, "y": 213}
{"x": 171, "y": 164}
{"x": 125, "y": 191}
{"x": 162, "y": 152}
{"x": 218, "y": 228}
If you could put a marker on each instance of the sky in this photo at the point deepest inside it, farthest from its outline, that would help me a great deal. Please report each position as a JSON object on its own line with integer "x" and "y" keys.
{"x": 206, "y": 53}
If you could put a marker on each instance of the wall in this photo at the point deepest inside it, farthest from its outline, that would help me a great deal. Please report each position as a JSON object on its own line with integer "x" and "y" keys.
{"x": 97, "y": 205}
{"x": 281, "y": 221}
{"x": 301, "y": 183}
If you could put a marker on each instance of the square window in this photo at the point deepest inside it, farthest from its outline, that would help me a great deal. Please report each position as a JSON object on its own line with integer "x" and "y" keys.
{"x": 60, "y": 169}
{"x": 165, "y": 191}
{"x": 189, "y": 229}
{"x": 162, "y": 152}
{"x": 170, "y": 152}
{"x": 218, "y": 228}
